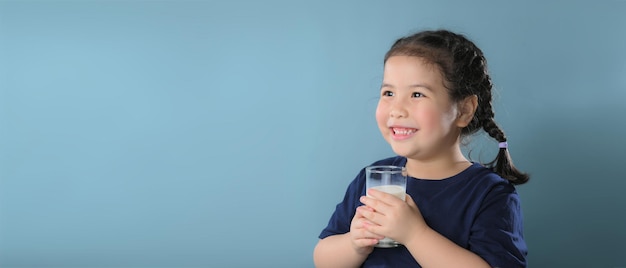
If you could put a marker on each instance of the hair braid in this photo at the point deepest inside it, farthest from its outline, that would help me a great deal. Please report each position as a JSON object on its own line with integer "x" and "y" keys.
{"x": 502, "y": 164}
{"x": 488, "y": 124}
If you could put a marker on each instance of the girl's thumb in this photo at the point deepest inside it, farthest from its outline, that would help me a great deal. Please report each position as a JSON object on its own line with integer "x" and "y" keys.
{"x": 409, "y": 200}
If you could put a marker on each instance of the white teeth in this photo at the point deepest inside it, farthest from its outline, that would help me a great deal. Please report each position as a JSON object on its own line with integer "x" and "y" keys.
{"x": 403, "y": 131}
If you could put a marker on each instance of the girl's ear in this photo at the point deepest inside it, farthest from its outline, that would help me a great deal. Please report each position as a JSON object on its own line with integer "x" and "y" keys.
{"x": 466, "y": 107}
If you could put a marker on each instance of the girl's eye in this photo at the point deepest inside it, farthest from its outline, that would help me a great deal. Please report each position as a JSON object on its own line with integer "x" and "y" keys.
{"x": 417, "y": 95}
{"x": 387, "y": 93}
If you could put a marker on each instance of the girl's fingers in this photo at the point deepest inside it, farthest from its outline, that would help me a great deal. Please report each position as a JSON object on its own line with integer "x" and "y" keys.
{"x": 366, "y": 242}
{"x": 368, "y": 214}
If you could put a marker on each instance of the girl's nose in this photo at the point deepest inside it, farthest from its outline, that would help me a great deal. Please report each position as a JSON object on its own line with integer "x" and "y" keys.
{"x": 398, "y": 111}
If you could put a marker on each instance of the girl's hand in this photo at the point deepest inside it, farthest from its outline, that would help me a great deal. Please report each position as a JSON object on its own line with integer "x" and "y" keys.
{"x": 363, "y": 241}
{"x": 389, "y": 216}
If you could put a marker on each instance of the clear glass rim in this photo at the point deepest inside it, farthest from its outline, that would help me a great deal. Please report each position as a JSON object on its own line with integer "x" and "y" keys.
{"x": 386, "y": 169}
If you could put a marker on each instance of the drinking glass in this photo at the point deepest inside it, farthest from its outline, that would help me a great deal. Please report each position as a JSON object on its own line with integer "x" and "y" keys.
{"x": 388, "y": 179}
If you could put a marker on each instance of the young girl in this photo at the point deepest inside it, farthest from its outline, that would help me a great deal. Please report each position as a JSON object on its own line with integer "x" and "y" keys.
{"x": 435, "y": 91}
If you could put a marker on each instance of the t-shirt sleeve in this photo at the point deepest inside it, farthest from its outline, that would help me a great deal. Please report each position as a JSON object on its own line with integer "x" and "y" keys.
{"x": 497, "y": 232}
{"x": 339, "y": 222}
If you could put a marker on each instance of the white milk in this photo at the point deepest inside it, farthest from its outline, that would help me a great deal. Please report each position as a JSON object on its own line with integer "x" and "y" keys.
{"x": 397, "y": 191}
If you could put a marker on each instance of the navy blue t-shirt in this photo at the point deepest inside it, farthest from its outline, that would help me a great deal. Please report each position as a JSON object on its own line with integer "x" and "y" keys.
{"x": 476, "y": 209}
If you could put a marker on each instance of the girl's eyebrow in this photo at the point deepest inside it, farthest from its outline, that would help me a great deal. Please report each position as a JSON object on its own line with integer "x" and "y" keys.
{"x": 386, "y": 85}
{"x": 426, "y": 86}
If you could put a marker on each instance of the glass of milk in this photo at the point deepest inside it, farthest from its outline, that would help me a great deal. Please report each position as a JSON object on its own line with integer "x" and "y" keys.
{"x": 388, "y": 179}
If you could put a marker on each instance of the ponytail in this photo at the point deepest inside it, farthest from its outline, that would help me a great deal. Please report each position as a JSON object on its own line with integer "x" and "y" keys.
{"x": 503, "y": 164}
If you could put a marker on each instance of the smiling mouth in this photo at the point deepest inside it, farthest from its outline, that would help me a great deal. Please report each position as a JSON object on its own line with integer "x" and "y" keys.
{"x": 403, "y": 131}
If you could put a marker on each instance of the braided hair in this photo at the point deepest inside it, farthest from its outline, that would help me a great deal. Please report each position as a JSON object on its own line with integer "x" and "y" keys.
{"x": 464, "y": 69}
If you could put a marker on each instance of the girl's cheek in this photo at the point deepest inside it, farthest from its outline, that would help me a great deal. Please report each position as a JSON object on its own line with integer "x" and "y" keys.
{"x": 380, "y": 114}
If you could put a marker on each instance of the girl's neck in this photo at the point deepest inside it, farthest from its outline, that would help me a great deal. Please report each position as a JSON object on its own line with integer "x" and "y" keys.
{"x": 439, "y": 168}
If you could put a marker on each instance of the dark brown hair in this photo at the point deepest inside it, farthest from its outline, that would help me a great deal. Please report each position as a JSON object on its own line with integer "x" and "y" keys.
{"x": 464, "y": 69}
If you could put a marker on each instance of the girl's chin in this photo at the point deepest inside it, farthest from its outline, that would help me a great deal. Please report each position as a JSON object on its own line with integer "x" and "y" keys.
{"x": 400, "y": 151}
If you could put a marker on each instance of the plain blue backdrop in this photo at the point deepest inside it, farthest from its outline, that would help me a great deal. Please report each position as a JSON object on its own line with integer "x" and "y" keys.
{"x": 223, "y": 133}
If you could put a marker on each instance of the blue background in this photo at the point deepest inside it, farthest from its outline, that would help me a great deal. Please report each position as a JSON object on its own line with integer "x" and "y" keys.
{"x": 223, "y": 133}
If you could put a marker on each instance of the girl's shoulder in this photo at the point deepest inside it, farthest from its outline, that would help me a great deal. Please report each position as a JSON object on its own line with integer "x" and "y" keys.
{"x": 486, "y": 179}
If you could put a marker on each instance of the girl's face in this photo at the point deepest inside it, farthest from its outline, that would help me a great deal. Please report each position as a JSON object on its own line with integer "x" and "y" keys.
{"x": 415, "y": 113}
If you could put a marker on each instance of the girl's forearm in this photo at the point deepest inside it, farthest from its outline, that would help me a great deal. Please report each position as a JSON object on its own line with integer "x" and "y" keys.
{"x": 336, "y": 251}
{"x": 431, "y": 249}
